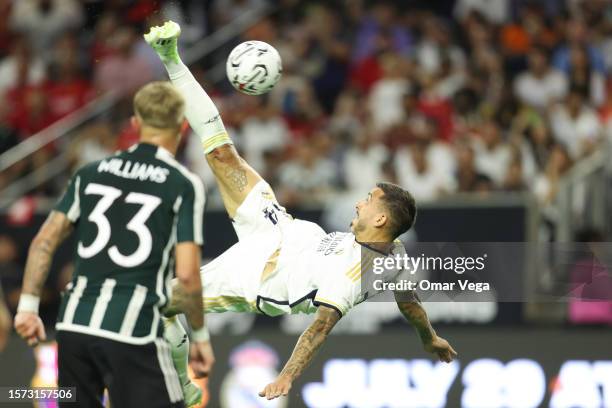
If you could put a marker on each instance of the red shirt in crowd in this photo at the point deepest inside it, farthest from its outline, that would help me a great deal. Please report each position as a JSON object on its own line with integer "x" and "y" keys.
{"x": 29, "y": 112}
{"x": 439, "y": 110}
{"x": 66, "y": 97}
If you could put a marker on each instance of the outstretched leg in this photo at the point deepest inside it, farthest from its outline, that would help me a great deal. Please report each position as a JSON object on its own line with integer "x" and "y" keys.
{"x": 234, "y": 176}
{"x": 176, "y": 336}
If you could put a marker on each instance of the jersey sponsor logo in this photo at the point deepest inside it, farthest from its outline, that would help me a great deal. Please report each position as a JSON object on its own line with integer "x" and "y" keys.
{"x": 134, "y": 170}
{"x": 329, "y": 244}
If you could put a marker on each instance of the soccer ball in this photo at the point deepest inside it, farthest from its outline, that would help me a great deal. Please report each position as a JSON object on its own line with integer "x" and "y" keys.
{"x": 254, "y": 67}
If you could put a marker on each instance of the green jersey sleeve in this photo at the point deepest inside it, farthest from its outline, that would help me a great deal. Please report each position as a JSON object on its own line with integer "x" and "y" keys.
{"x": 191, "y": 212}
{"x": 70, "y": 204}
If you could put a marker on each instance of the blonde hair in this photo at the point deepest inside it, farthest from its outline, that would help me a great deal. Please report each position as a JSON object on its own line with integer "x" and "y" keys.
{"x": 160, "y": 105}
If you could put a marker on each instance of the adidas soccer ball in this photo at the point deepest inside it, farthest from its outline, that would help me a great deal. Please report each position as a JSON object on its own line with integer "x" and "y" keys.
{"x": 254, "y": 67}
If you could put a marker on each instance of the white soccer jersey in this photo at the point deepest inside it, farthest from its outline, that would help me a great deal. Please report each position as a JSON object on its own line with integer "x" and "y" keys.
{"x": 329, "y": 271}
{"x": 310, "y": 267}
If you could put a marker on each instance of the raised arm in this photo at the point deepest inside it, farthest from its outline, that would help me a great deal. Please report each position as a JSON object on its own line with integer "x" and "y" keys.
{"x": 53, "y": 232}
{"x": 307, "y": 346}
{"x": 411, "y": 308}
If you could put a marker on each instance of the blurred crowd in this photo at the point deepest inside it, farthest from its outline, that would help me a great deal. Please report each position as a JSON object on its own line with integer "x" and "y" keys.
{"x": 56, "y": 56}
{"x": 441, "y": 97}
{"x": 482, "y": 96}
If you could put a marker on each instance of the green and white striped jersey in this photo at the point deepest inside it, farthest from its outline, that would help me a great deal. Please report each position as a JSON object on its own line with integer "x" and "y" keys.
{"x": 129, "y": 211}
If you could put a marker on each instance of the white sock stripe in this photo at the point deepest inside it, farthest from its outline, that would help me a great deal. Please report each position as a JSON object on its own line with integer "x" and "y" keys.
{"x": 176, "y": 336}
{"x": 99, "y": 311}
{"x": 174, "y": 375}
{"x": 133, "y": 310}
{"x": 162, "y": 366}
{"x": 73, "y": 302}
{"x": 175, "y": 392}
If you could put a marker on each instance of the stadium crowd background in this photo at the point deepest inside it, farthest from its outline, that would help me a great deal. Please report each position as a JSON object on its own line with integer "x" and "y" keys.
{"x": 444, "y": 97}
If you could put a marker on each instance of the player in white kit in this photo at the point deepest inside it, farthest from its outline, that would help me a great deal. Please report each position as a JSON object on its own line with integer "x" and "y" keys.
{"x": 281, "y": 265}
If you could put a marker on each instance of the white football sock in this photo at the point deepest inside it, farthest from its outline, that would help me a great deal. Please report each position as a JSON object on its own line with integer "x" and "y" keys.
{"x": 200, "y": 110}
{"x": 176, "y": 335}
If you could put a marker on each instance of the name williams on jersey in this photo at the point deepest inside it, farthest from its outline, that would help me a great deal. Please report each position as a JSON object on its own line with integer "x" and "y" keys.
{"x": 134, "y": 170}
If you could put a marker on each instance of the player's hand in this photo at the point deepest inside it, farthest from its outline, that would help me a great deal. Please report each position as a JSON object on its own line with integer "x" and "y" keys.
{"x": 278, "y": 388}
{"x": 442, "y": 349}
{"x": 201, "y": 358}
{"x": 29, "y": 326}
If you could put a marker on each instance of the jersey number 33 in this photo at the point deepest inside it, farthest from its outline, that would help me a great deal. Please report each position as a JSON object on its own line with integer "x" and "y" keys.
{"x": 108, "y": 195}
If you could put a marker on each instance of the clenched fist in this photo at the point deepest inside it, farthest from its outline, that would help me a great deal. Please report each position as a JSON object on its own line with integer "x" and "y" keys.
{"x": 29, "y": 326}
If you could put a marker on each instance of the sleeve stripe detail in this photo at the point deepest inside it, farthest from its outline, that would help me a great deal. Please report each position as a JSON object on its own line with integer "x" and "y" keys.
{"x": 363, "y": 266}
{"x": 75, "y": 209}
{"x": 355, "y": 273}
{"x": 352, "y": 269}
{"x": 199, "y": 194}
{"x": 324, "y": 302}
{"x": 215, "y": 141}
{"x": 198, "y": 208}
{"x": 321, "y": 300}
{"x": 177, "y": 204}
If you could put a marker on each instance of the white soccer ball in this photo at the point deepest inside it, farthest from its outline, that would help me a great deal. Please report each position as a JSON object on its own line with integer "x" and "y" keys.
{"x": 254, "y": 67}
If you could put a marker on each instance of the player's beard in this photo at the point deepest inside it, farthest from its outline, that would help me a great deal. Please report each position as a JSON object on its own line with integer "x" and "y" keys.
{"x": 357, "y": 226}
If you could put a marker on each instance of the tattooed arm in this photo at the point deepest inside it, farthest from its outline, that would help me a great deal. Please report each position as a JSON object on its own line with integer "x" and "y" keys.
{"x": 53, "y": 232}
{"x": 411, "y": 308}
{"x": 307, "y": 346}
